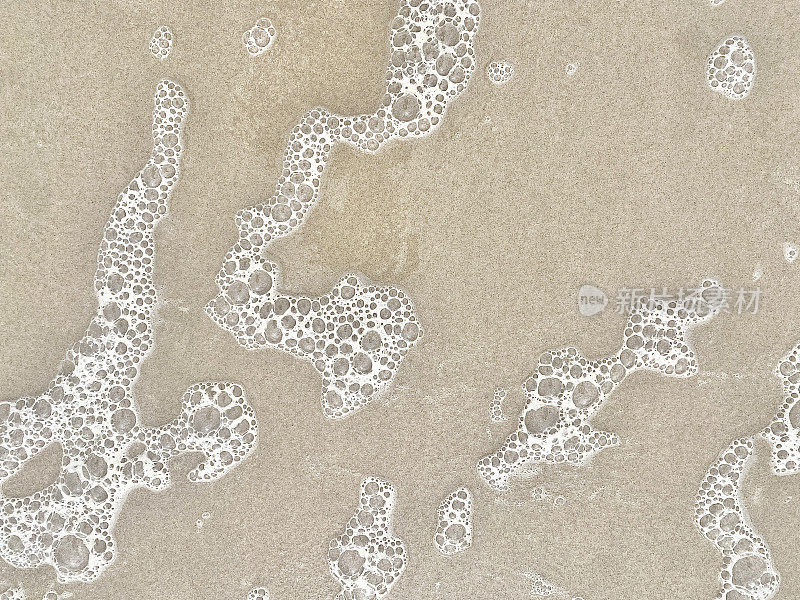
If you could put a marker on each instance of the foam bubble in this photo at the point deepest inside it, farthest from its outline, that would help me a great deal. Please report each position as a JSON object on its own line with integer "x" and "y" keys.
{"x": 454, "y": 522}
{"x": 366, "y": 559}
{"x": 89, "y": 408}
{"x": 259, "y": 593}
{"x": 731, "y": 68}
{"x": 567, "y": 388}
{"x": 499, "y": 72}
{"x": 747, "y": 570}
{"x": 161, "y": 43}
{"x": 790, "y": 252}
{"x": 260, "y": 37}
{"x": 357, "y": 335}
{"x": 758, "y": 272}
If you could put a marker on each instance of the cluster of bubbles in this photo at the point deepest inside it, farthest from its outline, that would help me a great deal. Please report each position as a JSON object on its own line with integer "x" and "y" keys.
{"x": 541, "y": 588}
{"x": 731, "y": 68}
{"x": 161, "y": 43}
{"x": 747, "y": 571}
{"x": 367, "y": 559}
{"x": 540, "y": 494}
{"x": 357, "y": 335}
{"x": 260, "y": 37}
{"x": 499, "y": 71}
{"x": 17, "y": 593}
{"x": 259, "y": 593}
{"x": 89, "y": 409}
{"x": 496, "y": 405}
{"x": 783, "y": 434}
{"x": 200, "y": 523}
{"x": 567, "y": 388}
{"x": 790, "y": 252}
{"x": 454, "y": 522}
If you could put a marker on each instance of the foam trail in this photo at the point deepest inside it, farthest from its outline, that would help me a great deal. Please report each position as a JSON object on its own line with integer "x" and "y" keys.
{"x": 357, "y": 335}
{"x": 89, "y": 408}
{"x": 783, "y": 434}
{"x": 747, "y": 570}
{"x": 367, "y": 559}
{"x": 567, "y": 388}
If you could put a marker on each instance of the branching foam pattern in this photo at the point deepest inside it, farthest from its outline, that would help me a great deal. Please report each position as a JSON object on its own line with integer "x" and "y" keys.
{"x": 747, "y": 571}
{"x": 567, "y": 388}
{"x": 357, "y": 335}
{"x": 454, "y": 522}
{"x": 89, "y": 407}
{"x": 367, "y": 559}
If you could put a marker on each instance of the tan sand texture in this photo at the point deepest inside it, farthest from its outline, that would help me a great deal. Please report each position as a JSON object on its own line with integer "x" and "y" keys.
{"x": 628, "y": 173}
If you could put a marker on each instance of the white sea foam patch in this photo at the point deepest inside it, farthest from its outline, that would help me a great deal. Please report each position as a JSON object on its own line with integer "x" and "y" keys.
{"x": 783, "y": 433}
{"x": 496, "y": 414}
{"x": 161, "y": 43}
{"x": 731, "y": 68}
{"x": 454, "y": 522}
{"x": 499, "y": 71}
{"x": 259, "y": 593}
{"x": 89, "y": 407}
{"x": 568, "y": 388}
{"x": 790, "y": 252}
{"x": 18, "y": 593}
{"x": 367, "y": 559}
{"x": 357, "y": 335}
{"x": 260, "y": 37}
{"x": 747, "y": 570}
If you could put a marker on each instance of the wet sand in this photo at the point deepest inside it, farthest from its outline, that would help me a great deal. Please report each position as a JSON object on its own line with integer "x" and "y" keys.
{"x": 629, "y": 173}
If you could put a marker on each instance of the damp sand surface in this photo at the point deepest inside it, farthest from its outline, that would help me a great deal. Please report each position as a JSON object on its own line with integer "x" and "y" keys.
{"x": 528, "y": 191}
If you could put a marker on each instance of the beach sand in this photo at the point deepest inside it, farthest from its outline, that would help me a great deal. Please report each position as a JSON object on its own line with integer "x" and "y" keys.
{"x": 629, "y": 173}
